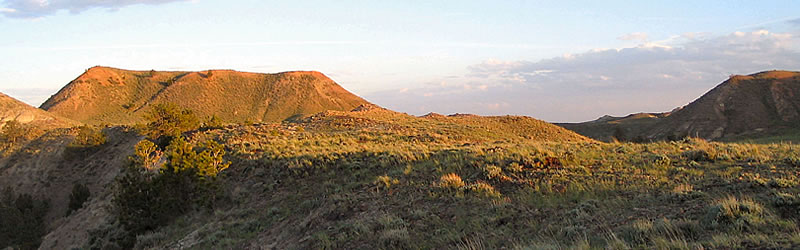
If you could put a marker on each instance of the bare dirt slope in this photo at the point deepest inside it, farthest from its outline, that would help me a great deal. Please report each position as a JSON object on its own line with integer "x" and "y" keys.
{"x": 47, "y": 168}
{"x": 116, "y": 96}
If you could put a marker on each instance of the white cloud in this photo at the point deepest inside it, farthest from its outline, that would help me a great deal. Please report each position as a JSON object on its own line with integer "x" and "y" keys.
{"x": 584, "y": 86}
{"x": 635, "y": 36}
{"x": 40, "y": 8}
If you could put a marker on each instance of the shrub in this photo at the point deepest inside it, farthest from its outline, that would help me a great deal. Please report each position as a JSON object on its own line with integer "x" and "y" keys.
{"x": 781, "y": 183}
{"x": 80, "y": 194}
{"x": 792, "y": 161}
{"x": 788, "y": 202}
{"x": 146, "y": 154}
{"x": 451, "y": 181}
{"x": 21, "y": 220}
{"x": 514, "y": 167}
{"x": 731, "y": 211}
{"x": 88, "y": 137}
{"x": 214, "y": 122}
{"x": 697, "y": 155}
{"x": 385, "y": 182}
{"x": 661, "y": 160}
{"x": 87, "y": 141}
{"x": 484, "y": 190}
{"x": 15, "y": 132}
{"x": 145, "y": 200}
{"x": 204, "y": 164}
{"x": 166, "y": 121}
{"x": 493, "y": 171}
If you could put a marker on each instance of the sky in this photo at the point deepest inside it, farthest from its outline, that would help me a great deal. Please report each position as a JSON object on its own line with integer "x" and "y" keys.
{"x": 559, "y": 61}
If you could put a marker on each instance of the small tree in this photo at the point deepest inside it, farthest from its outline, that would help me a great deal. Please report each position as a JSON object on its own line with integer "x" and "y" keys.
{"x": 146, "y": 199}
{"x": 88, "y": 137}
{"x": 214, "y": 122}
{"x": 147, "y": 155}
{"x": 21, "y": 220}
{"x": 168, "y": 120}
{"x": 209, "y": 73}
{"x": 13, "y": 131}
{"x": 80, "y": 194}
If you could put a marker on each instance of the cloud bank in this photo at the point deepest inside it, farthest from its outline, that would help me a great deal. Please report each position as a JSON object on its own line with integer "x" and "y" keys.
{"x": 41, "y": 8}
{"x": 577, "y": 87}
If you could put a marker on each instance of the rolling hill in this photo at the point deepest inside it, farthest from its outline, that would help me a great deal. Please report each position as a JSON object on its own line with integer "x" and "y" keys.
{"x": 751, "y": 106}
{"x": 367, "y": 177}
{"x": 14, "y": 110}
{"x": 115, "y": 96}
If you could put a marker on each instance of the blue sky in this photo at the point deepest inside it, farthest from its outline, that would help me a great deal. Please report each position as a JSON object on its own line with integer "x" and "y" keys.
{"x": 553, "y": 60}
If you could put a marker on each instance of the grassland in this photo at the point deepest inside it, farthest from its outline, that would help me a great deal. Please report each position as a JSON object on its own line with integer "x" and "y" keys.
{"x": 786, "y": 135}
{"x": 376, "y": 179}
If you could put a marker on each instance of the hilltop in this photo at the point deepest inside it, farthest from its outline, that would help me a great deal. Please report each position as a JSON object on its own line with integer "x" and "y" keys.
{"x": 116, "y": 96}
{"x": 744, "y": 106}
{"x": 14, "y": 110}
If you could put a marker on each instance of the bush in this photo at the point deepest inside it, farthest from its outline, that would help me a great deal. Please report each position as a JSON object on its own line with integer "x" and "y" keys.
{"x": 80, "y": 194}
{"x": 451, "y": 181}
{"x": 147, "y": 155}
{"x": 88, "y": 137}
{"x": 147, "y": 199}
{"x": 385, "y": 182}
{"x": 15, "y": 132}
{"x": 166, "y": 121}
{"x": 697, "y": 155}
{"x": 214, "y": 122}
{"x": 484, "y": 190}
{"x": 87, "y": 141}
{"x": 793, "y": 161}
{"x": 493, "y": 171}
{"x": 661, "y": 160}
{"x": 731, "y": 211}
{"x": 21, "y": 220}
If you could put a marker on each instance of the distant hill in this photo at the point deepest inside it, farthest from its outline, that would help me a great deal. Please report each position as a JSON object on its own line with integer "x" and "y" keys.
{"x": 436, "y": 127}
{"x": 761, "y": 104}
{"x": 14, "y": 110}
{"x": 609, "y": 128}
{"x": 116, "y": 96}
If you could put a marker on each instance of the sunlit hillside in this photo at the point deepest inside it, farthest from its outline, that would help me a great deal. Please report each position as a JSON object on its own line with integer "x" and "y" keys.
{"x": 104, "y": 95}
